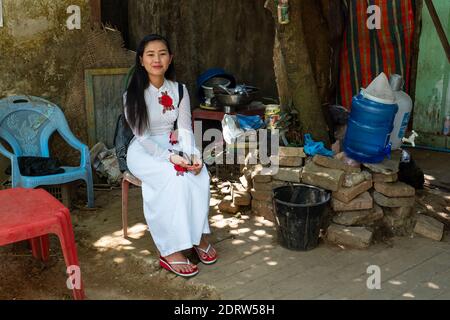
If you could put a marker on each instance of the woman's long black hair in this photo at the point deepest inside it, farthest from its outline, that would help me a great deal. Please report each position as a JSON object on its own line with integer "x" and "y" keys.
{"x": 137, "y": 115}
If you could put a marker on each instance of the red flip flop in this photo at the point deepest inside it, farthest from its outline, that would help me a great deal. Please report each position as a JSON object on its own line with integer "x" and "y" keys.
{"x": 168, "y": 266}
{"x": 208, "y": 260}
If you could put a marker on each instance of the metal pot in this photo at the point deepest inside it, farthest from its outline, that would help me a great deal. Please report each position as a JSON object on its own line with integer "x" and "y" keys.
{"x": 208, "y": 86}
{"x": 238, "y": 99}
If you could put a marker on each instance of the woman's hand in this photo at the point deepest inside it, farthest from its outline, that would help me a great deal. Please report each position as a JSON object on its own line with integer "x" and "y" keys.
{"x": 197, "y": 165}
{"x": 179, "y": 160}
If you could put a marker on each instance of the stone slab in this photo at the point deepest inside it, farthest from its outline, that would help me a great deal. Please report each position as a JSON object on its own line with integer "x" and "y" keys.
{"x": 388, "y": 166}
{"x": 381, "y": 177}
{"x": 326, "y": 178}
{"x": 262, "y": 195}
{"x": 348, "y": 194}
{"x": 289, "y": 174}
{"x": 397, "y": 202}
{"x": 400, "y": 212}
{"x": 242, "y": 198}
{"x": 291, "y": 152}
{"x": 334, "y": 163}
{"x": 355, "y": 237}
{"x": 284, "y": 161}
{"x": 227, "y": 205}
{"x": 263, "y": 209}
{"x": 362, "y": 202}
{"x": 429, "y": 228}
{"x": 395, "y": 189}
{"x": 261, "y": 174}
{"x": 353, "y": 179}
{"x": 359, "y": 217}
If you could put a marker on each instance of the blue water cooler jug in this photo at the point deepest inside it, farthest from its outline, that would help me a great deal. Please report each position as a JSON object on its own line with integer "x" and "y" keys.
{"x": 369, "y": 126}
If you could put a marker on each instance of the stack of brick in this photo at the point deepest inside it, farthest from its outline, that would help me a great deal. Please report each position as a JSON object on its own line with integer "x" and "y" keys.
{"x": 236, "y": 197}
{"x": 362, "y": 200}
{"x": 262, "y": 182}
{"x": 351, "y": 202}
{"x": 227, "y": 205}
{"x": 395, "y": 198}
{"x": 264, "y": 179}
{"x": 398, "y": 202}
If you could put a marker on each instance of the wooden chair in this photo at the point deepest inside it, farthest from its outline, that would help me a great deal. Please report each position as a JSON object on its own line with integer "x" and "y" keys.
{"x": 126, "y": 180}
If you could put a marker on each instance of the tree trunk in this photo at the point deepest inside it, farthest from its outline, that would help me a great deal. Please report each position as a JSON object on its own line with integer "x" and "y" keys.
{"x": 294, "y": 60}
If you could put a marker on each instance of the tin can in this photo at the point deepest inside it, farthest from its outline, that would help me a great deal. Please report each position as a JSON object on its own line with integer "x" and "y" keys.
{"x": 283, "y": 12}
{"x": 272, "y": 115}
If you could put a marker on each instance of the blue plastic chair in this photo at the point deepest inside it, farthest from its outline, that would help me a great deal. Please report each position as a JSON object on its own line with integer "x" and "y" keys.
{"x": 27, "y": 123}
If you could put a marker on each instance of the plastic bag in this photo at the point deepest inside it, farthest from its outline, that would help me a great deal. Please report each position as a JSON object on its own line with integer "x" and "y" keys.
{"x": 230, "y": 128}
{"x": 106, "y": 164}
{"x": 312, "y": 148}
{"x": 250, "y": 122}
{"x": 380, "y": 90}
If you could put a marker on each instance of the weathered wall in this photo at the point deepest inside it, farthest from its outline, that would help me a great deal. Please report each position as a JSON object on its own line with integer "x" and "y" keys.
{"x": 37, "y": 50}
{"x": 432, "y": 101}
{"x": 235, "y": 35}
{"x": 40, "y": 56}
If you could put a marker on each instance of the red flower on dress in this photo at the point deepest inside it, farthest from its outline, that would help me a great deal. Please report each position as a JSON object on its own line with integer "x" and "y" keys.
{"x": 180, "y": 170}
{"x": 166, "y": 101}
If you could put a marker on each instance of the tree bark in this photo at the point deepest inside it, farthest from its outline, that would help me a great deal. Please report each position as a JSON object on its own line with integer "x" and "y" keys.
{"x": 294, "y": 60}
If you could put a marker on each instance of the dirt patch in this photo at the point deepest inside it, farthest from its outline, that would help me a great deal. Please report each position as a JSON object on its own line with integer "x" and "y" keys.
{"x": 24, "y": 278}
{"x": 112, "y": 267}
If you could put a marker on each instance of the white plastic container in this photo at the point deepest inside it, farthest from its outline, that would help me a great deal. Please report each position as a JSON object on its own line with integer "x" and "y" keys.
{"x": 403, "y": 115}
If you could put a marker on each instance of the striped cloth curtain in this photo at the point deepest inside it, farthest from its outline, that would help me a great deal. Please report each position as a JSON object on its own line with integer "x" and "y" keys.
{"x": 366, "y": 53}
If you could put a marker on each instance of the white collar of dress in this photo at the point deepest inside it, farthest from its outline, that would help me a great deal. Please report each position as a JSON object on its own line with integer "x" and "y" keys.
{"x": 164, "y": 87}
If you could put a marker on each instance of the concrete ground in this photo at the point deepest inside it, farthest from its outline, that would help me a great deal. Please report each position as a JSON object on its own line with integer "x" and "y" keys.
{"x": 252, "y": 265}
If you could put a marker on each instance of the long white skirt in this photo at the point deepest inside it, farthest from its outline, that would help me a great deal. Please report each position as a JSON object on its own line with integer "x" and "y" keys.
{"x": 175, "y": 207}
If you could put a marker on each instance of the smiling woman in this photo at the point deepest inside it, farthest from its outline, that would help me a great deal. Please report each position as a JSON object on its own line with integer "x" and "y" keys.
{"x": 175, "y": 192}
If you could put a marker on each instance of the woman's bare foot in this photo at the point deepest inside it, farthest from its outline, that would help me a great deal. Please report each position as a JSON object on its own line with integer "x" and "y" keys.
{"x": 211, "y": 253}
{"x": 182, "y": 268}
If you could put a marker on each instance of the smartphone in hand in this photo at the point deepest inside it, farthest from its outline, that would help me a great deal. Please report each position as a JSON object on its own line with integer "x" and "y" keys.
{"x": 188, "y": 159}
{"x": 184, "y": 155}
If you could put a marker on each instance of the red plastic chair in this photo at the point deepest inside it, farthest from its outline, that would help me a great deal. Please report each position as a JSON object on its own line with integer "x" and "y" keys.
{"x": 32, "y": 214}
{"x": 126, "y": 180}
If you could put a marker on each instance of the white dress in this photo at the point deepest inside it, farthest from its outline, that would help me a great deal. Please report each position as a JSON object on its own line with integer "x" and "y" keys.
{"x": 175, "y": 206}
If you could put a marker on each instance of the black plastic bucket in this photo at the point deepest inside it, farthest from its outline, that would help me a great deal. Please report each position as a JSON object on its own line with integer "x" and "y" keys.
{"x": 298, "y": 210}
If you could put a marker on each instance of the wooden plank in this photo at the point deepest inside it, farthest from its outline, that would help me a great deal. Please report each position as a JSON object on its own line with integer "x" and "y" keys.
{"x": 103, "y": 90}
{"x": 96, "y": 12}
{"x": 439, "y": 28}
{"x": 415, "y": 57}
